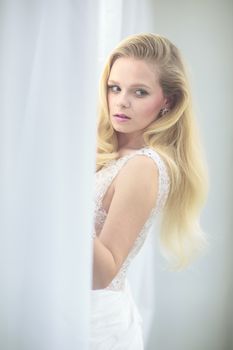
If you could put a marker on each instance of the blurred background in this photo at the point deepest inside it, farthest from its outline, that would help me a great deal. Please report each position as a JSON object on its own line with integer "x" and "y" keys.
{"x": 52, "y": 53}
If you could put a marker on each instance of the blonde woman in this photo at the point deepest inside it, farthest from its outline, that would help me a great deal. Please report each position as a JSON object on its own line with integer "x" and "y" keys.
{"x": 149, "y": 161}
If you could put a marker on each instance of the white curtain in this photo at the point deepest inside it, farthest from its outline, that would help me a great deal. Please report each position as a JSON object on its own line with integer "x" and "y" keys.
{"x": 47, "y": 127}
{"x": 51, "y": 55}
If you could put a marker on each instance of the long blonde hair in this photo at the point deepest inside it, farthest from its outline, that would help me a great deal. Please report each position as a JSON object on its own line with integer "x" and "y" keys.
{"x": 175, "y": 137}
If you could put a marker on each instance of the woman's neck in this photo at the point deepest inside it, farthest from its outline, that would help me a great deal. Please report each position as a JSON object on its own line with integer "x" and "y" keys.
{"x": 130, "y": 143}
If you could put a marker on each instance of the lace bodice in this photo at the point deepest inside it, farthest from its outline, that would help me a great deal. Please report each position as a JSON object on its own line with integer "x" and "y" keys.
{"x": 104, "y": 178}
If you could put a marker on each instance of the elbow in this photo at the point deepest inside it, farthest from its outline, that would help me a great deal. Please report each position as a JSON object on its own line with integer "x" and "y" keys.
{"x": 103, "y": 272}
{"x": 105, "y": 266}
{"x": 110, "y": 277}
{"x": 107, "y": 283}
{"x": 102, "y": 281}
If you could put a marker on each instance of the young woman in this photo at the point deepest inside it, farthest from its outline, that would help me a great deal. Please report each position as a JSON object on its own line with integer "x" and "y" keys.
{"x": 149, "y": 160}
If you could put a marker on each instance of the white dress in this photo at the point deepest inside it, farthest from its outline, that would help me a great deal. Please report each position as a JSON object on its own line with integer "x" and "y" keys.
{"x": 116, "y": 323}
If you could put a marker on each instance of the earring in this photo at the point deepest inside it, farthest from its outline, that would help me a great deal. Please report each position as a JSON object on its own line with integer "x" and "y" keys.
{"x": 164, "y": 111}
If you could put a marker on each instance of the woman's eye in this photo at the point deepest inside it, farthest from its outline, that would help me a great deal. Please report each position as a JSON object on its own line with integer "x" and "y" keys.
{"x": 113, "y": 88}
{"x": 141, "y": 92}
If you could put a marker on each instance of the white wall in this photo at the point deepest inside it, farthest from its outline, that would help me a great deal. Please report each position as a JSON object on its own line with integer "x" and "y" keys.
{"x": 194, "y": 308}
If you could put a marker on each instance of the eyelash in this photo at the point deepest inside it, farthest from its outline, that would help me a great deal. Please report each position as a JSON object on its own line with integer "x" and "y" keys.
{"x": 144, "y": 92}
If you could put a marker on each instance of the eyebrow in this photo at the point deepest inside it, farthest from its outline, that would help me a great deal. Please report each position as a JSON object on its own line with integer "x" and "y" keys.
{"x": 133, "y": 85}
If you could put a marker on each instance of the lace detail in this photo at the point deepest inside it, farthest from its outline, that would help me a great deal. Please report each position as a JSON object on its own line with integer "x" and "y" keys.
{"x": 104, "y": 178}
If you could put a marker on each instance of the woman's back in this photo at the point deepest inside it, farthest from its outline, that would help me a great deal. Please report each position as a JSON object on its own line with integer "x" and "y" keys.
{"x": 105, "y": 178}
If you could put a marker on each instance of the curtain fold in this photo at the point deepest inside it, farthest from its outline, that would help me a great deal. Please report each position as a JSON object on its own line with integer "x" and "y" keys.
{"x": 52, "y": 53}
{"x": 48, "y": 128}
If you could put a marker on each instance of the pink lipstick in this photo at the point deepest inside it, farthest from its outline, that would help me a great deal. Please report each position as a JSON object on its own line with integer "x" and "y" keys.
{"x": 121, "y": 117}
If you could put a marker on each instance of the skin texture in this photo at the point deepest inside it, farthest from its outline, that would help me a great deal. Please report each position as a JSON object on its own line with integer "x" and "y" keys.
{"x": 134, "y": 90}
{"x": 134, "y": 197}
{"x": 135, "y": 191}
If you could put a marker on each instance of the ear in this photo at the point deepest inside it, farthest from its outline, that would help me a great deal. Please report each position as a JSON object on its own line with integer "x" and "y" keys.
{"x": 169, "y": 102}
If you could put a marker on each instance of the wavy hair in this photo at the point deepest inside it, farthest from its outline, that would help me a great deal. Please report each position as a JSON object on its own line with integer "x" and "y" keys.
{"x": 175, "y": 137}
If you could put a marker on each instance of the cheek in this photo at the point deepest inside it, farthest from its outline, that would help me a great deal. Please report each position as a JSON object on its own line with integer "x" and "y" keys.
{"x": 151, "y": 108}
{"x": 109, "y": 100}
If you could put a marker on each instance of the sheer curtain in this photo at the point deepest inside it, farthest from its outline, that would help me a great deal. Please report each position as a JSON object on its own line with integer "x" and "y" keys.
{"x": 48, "y": 116}
{"x": 51, "y": 55}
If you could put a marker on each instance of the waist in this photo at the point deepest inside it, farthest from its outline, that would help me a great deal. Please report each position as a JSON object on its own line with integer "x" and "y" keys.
{"x": 107, "y": 304}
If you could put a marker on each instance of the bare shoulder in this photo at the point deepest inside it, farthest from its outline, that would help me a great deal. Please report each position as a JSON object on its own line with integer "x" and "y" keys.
{"x": 137, "y": 183}
{"x": 134, "y": 197}
{"x": 139, "y": 170}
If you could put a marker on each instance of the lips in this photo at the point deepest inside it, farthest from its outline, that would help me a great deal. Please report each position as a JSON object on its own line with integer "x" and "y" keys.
{"x": 123, "y": 116}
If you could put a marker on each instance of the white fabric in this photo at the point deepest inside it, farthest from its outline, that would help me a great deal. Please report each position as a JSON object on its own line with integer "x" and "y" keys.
{"x": 47, "y": 159}
{"x": 108, "y": 324}
{"x": 115, "y": 320}
{"x": 51, "y": 56}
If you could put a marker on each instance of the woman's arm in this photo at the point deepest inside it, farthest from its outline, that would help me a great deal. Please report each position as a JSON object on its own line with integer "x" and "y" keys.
{"x": 134, "y": 197}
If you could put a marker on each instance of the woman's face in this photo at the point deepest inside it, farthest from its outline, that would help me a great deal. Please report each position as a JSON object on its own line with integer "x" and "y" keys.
{"x": 133, "y": 91}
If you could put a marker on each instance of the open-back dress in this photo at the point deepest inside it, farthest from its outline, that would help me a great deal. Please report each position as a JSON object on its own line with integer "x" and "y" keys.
{"x": 116, "y": 323}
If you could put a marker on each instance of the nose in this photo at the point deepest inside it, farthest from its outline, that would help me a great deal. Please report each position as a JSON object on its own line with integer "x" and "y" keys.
{"x": 123, "y": 101}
